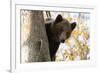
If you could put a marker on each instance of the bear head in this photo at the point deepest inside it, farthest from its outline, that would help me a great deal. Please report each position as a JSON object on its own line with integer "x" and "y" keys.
{"x": 61, "y": 29}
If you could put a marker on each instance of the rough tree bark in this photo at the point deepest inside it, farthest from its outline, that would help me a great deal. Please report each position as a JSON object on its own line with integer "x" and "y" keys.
{"x": 35, "y": 48}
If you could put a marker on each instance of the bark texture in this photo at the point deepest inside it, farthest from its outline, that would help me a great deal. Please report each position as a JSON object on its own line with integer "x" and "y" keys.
{"x": 35, "y": 46}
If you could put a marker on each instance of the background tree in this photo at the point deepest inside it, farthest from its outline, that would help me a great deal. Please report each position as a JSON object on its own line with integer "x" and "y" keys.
{"x": 34, "y": 42}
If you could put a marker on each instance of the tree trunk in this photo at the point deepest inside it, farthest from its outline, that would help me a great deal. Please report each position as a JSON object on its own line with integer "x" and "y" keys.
{"x": 35, "y": 48}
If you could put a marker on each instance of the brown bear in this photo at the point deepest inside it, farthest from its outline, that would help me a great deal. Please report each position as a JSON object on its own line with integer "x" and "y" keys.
{"x": 58, "y": 31}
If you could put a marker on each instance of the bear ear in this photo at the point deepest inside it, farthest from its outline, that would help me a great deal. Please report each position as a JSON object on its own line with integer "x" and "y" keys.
{"x": 73, "y": 25}
{"x": 58, "y": 19}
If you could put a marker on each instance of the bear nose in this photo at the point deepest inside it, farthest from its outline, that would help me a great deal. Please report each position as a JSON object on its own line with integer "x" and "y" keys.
{"x": 62, "y": 41}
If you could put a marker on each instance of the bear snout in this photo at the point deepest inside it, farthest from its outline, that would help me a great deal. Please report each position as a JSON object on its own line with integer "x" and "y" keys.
{"x": 63, "y": 40}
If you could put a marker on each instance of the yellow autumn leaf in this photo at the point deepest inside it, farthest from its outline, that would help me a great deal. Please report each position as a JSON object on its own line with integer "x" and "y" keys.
{"x": 69, "y": 18}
